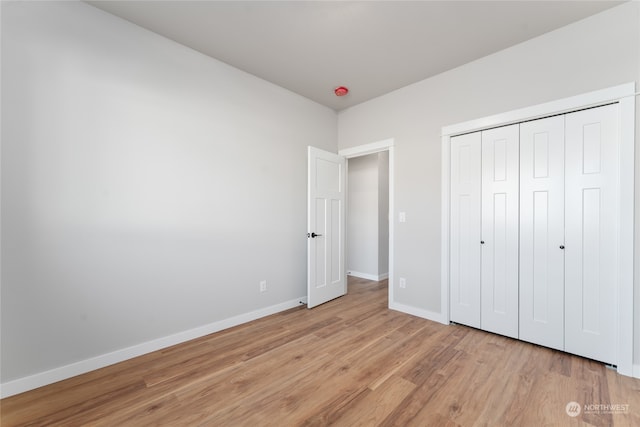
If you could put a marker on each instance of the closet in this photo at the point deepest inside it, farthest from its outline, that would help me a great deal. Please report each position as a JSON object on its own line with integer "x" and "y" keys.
{"x": 534, "y": 215}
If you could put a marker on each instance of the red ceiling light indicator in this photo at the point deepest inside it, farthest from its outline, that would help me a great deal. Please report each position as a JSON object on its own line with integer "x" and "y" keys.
{"x": 341, "y": 91}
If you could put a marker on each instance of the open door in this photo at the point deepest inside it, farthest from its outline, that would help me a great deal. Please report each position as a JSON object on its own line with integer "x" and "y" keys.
{"x": 326, "y": 276}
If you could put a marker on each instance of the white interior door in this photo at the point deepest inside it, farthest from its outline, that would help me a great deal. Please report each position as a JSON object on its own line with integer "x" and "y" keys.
{"x": 591, "y": 234}
{"x": 326, "y": 275}
{"x": 542, "y": 232}
{"x": 499, "y": 278}
{"x": 465, "y": 229}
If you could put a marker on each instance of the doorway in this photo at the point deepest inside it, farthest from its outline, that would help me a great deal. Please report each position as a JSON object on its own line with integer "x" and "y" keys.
{"x": 368, "y": 216}
{"x": 369, "y": 242}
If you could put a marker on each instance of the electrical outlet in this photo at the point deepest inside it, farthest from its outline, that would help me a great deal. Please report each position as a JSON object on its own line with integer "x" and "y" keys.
{"x": 402, "y": 282}
{"x": 263, "y": 286}
{"x": 402, "y": 217}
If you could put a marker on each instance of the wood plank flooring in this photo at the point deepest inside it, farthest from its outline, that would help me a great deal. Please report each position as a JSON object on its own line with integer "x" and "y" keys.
{"x": 350, "y": 362}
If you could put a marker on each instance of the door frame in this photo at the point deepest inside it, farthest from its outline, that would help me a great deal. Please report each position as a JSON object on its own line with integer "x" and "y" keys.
{"x": 624, "y": 95}
{"x": 372, "y": 148}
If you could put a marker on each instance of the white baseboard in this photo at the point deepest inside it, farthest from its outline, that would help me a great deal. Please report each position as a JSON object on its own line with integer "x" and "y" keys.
{"x": 636, "y": 371}
{"x": 376, "y": 277}
{"x": 31, "y": 382}
{"x": 425, "y": 314}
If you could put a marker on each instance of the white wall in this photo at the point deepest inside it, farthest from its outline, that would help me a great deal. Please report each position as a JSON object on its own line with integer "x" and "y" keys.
{"x": 636, "y": 266}
{"x": 598, "y": 52}
{"x": 146, "y": 188}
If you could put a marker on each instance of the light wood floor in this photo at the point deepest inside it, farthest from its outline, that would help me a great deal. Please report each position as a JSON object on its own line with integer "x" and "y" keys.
{"x": 349, "y": 362}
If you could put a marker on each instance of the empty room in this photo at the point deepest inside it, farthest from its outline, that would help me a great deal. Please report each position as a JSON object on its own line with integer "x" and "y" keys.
{"x": 284, "y": 213}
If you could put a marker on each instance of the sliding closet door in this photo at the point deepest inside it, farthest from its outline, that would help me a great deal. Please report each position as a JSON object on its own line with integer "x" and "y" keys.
{"x": 542, "y": 232}
{"x": 465, "y": 230}
{"x": 499, "y": 283}
{"x": 591, "y": 233}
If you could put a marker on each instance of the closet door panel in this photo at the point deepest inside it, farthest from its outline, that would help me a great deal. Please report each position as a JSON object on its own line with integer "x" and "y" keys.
{"x": 542, "y": 232}
{"x": 591, "y": 233}
{"x": 465, "y": 230}
{"x": 499, "y": 261}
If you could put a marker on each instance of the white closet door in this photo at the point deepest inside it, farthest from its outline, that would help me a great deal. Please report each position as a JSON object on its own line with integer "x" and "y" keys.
{"x": 542, "y": 232}
{"x": 591, "y": 233}
{"x": 499, "y": 283}
{"x": 465, "y": 229}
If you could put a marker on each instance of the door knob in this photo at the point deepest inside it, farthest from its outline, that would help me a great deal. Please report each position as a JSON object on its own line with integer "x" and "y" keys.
{"x": 561, "y": 246}
{"x": 315, "y": 235}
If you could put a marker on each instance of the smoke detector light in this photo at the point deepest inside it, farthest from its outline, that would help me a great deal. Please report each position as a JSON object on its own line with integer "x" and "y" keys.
{"x": 341, "y": 91}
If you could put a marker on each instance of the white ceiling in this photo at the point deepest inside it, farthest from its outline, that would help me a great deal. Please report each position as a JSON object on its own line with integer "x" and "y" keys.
{"x": 372, "y": 47}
